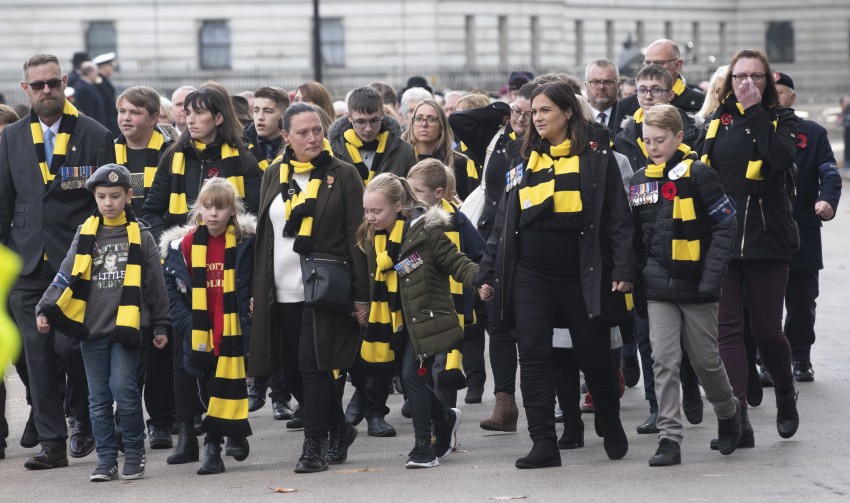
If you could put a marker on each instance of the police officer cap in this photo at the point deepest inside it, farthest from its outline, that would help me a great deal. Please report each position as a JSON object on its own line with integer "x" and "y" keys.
{"x": 109, "y": 175}
{"x": 783, "y": 80}
{"x": 102, "y": 59}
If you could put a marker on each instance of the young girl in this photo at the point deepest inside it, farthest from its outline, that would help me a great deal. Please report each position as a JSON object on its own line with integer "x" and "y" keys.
{"x": 412, "y": 310}
{"x": 208, "y": 265}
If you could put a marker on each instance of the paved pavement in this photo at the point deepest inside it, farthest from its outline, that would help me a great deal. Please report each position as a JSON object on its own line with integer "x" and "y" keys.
{"x": 812, "y": 466}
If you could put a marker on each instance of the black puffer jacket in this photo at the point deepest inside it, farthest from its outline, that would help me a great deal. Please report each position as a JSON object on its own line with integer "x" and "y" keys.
{"x": 626, "y": 140}
{"x": 653, "y": 241}
{"x": 690, "y": 102}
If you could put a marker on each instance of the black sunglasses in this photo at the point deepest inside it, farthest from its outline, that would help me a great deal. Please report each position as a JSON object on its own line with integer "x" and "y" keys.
{"x": 39, "y": 85}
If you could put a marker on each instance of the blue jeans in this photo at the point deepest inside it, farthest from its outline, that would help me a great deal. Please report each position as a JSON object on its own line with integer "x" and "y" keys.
{"x": 111, "y": 374}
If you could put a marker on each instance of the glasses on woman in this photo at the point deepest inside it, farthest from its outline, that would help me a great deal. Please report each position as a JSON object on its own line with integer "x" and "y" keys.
{"x": 741, "y": 77}
{"x": 516, "y": 112}
{"x": 656, "y": 92}
{"x": 425, "y": 119}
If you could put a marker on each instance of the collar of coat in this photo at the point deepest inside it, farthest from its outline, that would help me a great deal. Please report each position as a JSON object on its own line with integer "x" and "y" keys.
{"x": 174, "y": 236}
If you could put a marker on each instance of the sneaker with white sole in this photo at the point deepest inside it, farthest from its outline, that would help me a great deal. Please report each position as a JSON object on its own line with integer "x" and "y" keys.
{"x": 104, "y": 472}
{"x": 446, "y": 433}
{"x": 422, "y": 456}
{"x": 134, "y": 465}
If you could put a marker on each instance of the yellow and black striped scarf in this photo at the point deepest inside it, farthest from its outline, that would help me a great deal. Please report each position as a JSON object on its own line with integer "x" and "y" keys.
{"x": 552, "y": 186}
{"x": 228, "y": 164}
{"x": 385, "y": 316}
{"x": 155, "y": 149}
{"x": 685, "y": 239}
{"x": 678, "y": 87}
{"x": 353, "y": 144}
{"x": 60, "y": 143}
{"x": 454, "y": 358}
{"x": 68, "y": 315}
{"x": 729, "y": 110}
{"x": 227, "y": 413}
{"x": 260, "y": 155}
{"x": 639, "y": 131}
{"x": 471, "y": 165}
{"x": 301, "y": 205}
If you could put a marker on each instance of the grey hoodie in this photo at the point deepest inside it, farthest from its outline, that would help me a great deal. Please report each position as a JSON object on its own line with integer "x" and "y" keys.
{"x": 109, "y": 261}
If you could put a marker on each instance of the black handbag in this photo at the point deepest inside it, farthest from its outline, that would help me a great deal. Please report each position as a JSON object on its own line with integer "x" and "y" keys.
{"x": 327, "y": 283}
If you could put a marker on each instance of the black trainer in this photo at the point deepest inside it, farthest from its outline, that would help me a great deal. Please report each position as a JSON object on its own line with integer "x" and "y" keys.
{"x": 104, "y": 472}
{"x": 422, "y": 456}
{"x": 667, "y": 454}
{"x": 446, "y": 433}
{"x": 803, "y": 371}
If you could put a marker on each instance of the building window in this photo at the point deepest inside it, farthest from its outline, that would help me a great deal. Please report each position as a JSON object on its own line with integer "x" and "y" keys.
{"x": 469, "y": 31}
{"x": 723, "y": 50}
{"x": 504, "y": 37}
{"x": 641, "y": 34}
{"x": 535, "y": 41}
{"x": 609, "y": 40}
{"x": 101, "y": 38}
{"x": 780, "y": 42}
{"x": 214, "y": 45}
{"x": 668, "y": 30}
{"x": 579, "y": 29}
{"x": 332, "y": 35}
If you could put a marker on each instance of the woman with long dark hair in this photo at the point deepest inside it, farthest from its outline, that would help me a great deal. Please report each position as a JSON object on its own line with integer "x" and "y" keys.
{"x": 560, "y": 255}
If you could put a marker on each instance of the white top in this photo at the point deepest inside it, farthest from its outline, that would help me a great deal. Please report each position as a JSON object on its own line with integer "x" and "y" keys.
{"x": 606, "y": 112}
{"x": 288, "y": 282}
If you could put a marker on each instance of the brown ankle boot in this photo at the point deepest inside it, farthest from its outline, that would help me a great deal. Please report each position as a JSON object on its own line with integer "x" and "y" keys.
{"x": 504, "y": 416}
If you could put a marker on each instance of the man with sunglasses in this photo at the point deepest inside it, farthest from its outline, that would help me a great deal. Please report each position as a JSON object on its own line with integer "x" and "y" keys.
{"x": 665, "y": 53}
{"x": 45, "y": 160}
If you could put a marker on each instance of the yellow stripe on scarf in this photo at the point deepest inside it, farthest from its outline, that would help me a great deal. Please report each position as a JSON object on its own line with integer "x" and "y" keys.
{"x": 155, "y": 144}
{"x": 60, "y": 144}
{"x": 353, "y": 144}
{"x": 566, "y": 201}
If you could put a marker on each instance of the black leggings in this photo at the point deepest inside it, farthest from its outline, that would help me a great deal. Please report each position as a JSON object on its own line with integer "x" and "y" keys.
{"x": 538, "y": 301}
{"x": 321, "y": 405}
{"x": 424, "y": 402}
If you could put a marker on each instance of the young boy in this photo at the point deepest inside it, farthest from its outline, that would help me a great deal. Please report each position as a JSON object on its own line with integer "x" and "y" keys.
{"x": 684, "y": 233}
{"x": 106, "y": 307}
{"x": 264, "y": 137}
{"x": 434, "y": 184}
{"x": 654, "y": 87}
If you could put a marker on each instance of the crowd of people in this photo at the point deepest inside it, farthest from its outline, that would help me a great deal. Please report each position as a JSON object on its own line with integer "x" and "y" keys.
{"x": 207, "y": 253}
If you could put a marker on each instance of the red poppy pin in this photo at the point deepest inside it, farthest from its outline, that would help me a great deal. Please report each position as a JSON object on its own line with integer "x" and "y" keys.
{"x": 330, "y": 180}
{"x": 212, "y": 173}
{"x": 802, "y": 141}
{"x": 594, "y": 145}
{"x": 726, "y": 119}
{"x": 668, "y": 190}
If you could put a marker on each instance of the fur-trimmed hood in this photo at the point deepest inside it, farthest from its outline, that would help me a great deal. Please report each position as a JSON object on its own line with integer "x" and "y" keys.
{"x": 340, "y": 125}
{"x": 433, "y": 217}
{"x": 173, "y": 236}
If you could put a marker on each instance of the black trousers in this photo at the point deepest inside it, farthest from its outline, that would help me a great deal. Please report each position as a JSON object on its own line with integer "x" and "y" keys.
{"x": 565, "y": 372}
{"x": 156, "y": 381}
{"x": 286, "y": 382}
{"x": 321, "y": 405}
{"x": 503, "y": 357}
{"x": 538, "y": 302}
{"x": 473, "y": 353}
{"x": 371, "y": 393}
{"x": 800, "y": 304}
{"x": 46, "y": 357}
{"x": 425, "y": 404}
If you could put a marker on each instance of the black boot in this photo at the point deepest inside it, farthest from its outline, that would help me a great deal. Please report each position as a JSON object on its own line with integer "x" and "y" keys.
{"x": 614, "y": 437}
{"x": 341, "y": 438}
{"x": 729, "y": 432}
{"x": 212, "y": 458}
{"x": 544, "y": 454}
{"x": 573, "y": 436}
{"x": 748, "y": 439}
{"x": 312, "y": 457}
{"x": 187, "y": 445}
{"x": 787, "y": 418}
{"x": 237, "y": 447}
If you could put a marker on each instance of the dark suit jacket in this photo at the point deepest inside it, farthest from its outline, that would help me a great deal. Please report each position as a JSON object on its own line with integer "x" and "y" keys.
{"x": 89, "y": 101}
{"x": 34, "y": 218}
